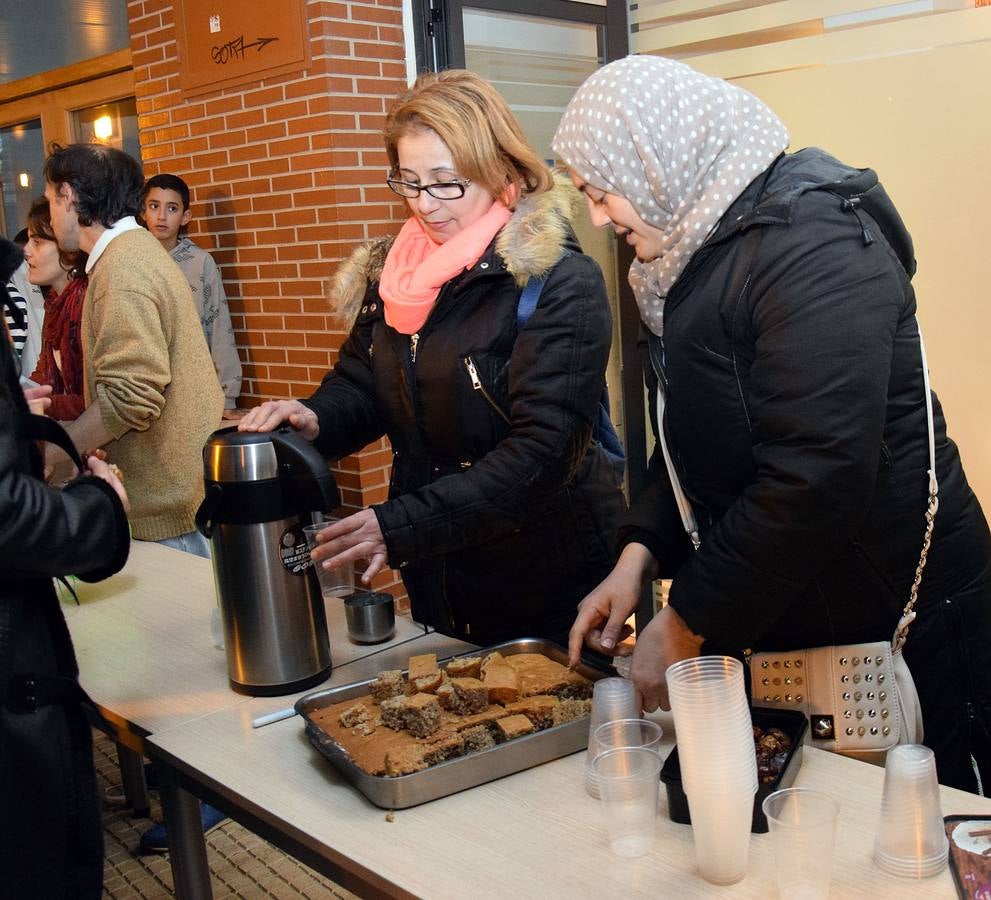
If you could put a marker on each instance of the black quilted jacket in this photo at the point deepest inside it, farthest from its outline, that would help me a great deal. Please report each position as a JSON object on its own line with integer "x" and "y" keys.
{"x": 796, "y": 417}
{"x": 501, "y": 513}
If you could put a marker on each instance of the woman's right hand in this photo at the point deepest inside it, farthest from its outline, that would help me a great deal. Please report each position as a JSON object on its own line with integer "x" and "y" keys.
{"x": 612, "y": 603}
{"x": 271, "y": 414}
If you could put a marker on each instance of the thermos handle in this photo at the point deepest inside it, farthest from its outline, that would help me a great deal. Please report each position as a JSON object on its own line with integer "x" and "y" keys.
{"x": 204, "y": 515}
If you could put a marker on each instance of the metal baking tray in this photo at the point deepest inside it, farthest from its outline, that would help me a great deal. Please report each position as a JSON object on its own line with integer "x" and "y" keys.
{"x": 453, "y": 775}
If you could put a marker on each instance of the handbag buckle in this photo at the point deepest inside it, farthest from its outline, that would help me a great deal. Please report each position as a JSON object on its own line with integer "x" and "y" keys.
{"x": 822, "y": 727}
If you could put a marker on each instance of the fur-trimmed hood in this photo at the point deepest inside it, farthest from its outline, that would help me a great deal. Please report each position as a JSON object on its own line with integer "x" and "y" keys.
{"x": 530, "y": 244}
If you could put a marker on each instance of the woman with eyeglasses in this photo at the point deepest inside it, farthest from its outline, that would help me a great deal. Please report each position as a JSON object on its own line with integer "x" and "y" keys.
{"x": 502, "y": 509}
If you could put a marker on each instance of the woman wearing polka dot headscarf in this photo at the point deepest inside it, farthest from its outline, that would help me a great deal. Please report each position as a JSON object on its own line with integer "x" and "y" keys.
{"x": 787, "y": 493}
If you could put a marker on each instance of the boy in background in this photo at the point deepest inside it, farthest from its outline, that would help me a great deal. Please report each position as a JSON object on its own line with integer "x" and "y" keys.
{"x": 165, "y": 205}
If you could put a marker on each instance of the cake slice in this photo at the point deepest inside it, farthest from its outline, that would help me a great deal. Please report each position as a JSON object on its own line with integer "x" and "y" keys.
{"x": 540, "y": 675}
{"x": 539, "y": 709}
{"x": 428, "y": 684}
{"x": 422, "y": 665}
{"x": 491, "y": 659}
{"x": 355, "y": 715}
{"x": 421, "y": 715}
{"x": 392, "y": 712}
{"x": 465, "y": 667}
{"x": 502, "y": 683}
{"x": 477, "y": 738}
{"x": 511, "y": 727}
{"x": 448, "y": 747}
{"x": 404, "y": 760}
{"x": 467, "y": 696}
{"x": 387, "y": 684}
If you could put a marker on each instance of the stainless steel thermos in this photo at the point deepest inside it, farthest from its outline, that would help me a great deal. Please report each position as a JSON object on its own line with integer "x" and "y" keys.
{"x": 261, "y": 488}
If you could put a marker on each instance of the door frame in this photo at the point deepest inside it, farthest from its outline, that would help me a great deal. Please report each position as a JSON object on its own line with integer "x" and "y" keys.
{"x": 53, "y": 96}
{"x": 440, "y": 40}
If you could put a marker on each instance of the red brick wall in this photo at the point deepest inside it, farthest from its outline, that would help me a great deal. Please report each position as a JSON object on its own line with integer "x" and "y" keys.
{"x": 287, "y": 175}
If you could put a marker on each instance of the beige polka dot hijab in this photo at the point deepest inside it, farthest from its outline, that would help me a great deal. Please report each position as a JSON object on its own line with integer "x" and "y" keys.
{"x": 679, "y": 145}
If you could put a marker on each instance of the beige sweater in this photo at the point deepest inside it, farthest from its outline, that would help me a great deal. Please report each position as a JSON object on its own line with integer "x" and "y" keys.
{"x": 148, "y": 367}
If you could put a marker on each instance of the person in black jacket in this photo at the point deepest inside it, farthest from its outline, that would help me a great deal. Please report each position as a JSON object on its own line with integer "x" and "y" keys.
{"x": 787, "y": 388}
{"x": 502, "y": 511}
{"x": 51, "y": 837}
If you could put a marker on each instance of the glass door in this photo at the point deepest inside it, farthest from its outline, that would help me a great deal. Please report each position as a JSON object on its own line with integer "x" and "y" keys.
{"x": 22, "y": 158}
{"x": 537, "y": 61}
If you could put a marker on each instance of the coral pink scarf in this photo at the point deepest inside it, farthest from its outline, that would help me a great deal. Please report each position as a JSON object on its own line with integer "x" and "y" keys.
{"x": 417, "y": 268}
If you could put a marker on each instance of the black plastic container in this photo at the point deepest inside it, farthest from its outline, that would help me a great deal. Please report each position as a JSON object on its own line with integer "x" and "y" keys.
{"x": 791, "y": 722}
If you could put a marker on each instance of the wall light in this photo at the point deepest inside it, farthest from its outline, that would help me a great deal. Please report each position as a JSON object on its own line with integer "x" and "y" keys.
{"x": 24, "y": 180}
{"x": 103, "y": 127}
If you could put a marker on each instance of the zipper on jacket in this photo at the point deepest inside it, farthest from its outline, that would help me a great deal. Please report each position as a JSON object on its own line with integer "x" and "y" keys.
{"x": 477, "y": 385}
{"x": 414, "y": 339}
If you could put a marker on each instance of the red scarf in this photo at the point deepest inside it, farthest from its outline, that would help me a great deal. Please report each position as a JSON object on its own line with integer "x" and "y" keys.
{"x": 60, "y": 333}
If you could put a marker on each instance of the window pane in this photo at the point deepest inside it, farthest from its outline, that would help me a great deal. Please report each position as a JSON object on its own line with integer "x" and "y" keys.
{"x": 22, "y": 158}
{"x": 114, "y": 124}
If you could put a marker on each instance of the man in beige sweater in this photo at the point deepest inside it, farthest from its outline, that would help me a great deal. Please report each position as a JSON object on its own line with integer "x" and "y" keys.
{"x": 151, "y": 390}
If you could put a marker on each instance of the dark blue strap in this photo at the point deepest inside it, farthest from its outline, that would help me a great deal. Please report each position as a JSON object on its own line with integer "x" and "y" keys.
{"x": 528, "y": 301}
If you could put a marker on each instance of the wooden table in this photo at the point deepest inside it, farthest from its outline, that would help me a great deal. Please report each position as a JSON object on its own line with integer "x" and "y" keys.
{"x": 533, "y": 834}
{"x": 146, "y": 653}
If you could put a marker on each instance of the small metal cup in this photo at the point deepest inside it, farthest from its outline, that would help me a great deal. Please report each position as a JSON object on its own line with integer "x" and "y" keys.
{"x": 370, "y": 616}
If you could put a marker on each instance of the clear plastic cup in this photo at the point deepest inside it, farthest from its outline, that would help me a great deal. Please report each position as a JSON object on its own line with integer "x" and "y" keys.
{"x": 722, "y": 815}
{"x": 713, "y": 725}
{"x": 337, "y": 582}
{"x": 911, "y": 841}
{"x": 629, "y": 786}
{"x": 612, "y": 698}
{"x": 627, "y": 733}
{"x": 802, "y": 823}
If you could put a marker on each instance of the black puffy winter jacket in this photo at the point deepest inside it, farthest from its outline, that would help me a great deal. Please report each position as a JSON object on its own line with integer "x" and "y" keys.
{"x": 795, "y": 413}
{"x": 501, "y": 512}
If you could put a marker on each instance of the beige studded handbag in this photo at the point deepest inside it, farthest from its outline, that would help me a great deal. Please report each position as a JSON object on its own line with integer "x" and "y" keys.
{"x": 860, "y": 698}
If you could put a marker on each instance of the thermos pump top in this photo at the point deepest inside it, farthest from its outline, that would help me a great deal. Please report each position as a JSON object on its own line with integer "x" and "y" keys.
{"x": 261, "y": 488}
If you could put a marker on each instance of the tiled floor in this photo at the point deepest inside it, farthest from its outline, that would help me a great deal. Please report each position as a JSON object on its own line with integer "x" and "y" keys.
{"x": 241, "y": 863}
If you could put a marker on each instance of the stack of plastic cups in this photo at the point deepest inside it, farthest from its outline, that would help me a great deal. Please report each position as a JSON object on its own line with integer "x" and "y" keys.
{"x": 911, "y": 841}
{"x": 718, "y": 761}
{"x": 612, "y": 698}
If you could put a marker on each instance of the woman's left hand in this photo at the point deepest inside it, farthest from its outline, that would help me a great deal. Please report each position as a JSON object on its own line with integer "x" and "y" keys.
{"x": 665, "y": 640}
{"x": 350, "y": 539}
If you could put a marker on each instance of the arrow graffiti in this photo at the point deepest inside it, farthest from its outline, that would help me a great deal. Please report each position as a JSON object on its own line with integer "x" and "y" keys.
{"x": 235, "y": 49}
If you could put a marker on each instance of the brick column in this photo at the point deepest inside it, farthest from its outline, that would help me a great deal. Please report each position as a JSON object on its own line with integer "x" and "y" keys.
{"x": 287, "y": 176}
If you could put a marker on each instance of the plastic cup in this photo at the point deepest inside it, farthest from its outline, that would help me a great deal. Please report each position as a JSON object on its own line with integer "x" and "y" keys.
{"x": 627, "y": 733}
{"x": 629, "y": 785}
{"x": 911, "y": 841}
{"x": 612, "y": 698}
{"x": 713, "y": 725}
{"x": 802, "y": 823}
{"x": 722, "y": 815}
{"x": 337, "y": 582}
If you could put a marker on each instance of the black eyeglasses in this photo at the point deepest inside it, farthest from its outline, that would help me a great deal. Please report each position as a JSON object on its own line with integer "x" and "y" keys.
{"x": 439, "y": 190}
